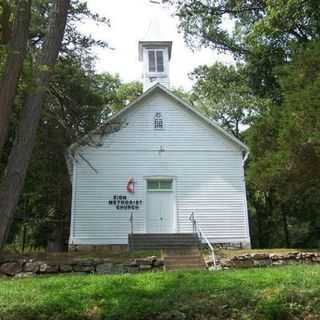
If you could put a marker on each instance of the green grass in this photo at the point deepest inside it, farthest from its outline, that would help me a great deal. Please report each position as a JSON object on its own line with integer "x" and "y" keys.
{"x": 291, "y": 292}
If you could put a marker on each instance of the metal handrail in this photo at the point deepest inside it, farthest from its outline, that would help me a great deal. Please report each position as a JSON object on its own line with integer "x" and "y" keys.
{"x": 197, "y": 229}
{"x": 131, "y": 222}
{"x": 130, "y": 243}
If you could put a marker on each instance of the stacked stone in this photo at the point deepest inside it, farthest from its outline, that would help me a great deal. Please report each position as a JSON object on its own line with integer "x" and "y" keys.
{"x": 268, "y": 259}
{"x": 31, "y": 267}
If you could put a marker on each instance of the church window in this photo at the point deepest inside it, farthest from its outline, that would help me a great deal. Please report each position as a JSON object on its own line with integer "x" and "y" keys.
{"x": 152, "y": 61}
{"x": 156, "y": 61}
{"x": 160, "y": 67}
{"x": 158, "y": 121}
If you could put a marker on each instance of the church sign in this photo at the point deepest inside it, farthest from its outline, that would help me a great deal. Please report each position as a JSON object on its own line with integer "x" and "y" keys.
{"x": 121, "y": 202}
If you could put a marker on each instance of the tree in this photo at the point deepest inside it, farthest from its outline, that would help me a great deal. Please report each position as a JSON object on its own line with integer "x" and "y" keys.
{"x": 272, "y": 39}
{"x": 259, "y": 32}
{"x": 17, "y": 48}
{"x": 285, "y": 153}
{"x": 223, "y": 94}
{"x": 78, "y": 101}
{"x": 13, "y": 180}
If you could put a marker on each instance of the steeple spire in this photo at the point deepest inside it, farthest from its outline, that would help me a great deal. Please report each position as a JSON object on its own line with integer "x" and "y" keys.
{"x": 155, "y": 50}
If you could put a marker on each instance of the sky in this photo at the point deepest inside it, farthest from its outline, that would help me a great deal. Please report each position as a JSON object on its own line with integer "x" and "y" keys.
{"x": 130, "y": 20}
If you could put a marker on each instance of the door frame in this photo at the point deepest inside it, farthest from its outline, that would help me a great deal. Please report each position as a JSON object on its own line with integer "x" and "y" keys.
{"x": 174, "y": 193}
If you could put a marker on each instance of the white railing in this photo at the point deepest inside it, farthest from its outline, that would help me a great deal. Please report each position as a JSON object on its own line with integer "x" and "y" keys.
{"x": 131, "y": 222}
{"x": 197, "y": 230}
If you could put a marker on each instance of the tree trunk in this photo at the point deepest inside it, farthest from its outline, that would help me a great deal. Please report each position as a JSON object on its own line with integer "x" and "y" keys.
{"x": 17, "y": 48}
{"x": 13, "y": 180}
{"x": 285, "y": 226}
{"x": 5, "y": 24}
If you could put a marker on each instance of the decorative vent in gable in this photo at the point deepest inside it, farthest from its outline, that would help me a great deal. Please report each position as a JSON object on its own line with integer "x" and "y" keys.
{"x": 158, "y": 121}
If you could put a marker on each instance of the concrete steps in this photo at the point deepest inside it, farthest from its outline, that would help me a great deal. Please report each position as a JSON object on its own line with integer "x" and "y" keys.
{"x": 150, "y": 241}
{"x": 183, "y": 259}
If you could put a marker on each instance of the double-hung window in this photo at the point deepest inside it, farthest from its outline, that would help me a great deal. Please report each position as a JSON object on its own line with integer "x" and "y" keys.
{"x": 156, "y": 60}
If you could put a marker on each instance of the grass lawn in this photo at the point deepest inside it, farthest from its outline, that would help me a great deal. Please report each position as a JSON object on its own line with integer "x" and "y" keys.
{"x": 289, "y": 292}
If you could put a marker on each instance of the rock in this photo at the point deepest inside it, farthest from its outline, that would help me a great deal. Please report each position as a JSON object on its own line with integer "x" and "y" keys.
{"x": 11, "y": 268}
{"x": 143, "y": 261}
{"x": 316, "y": 259}
{"x": 24, "y": 275}
{"x": 243, "y": 263}
{"x": 308, "y": 255}
{"x": 145, "y": 267}
{"x": 84, "y": 267}
{"x": 104, "y": 268}
{"x": 48, "y": 268}
{"x": 260, "y": 256}
{"x": 225, "y": 263}
{"x": 293, "y": 255}
{"x": 262, "y": 263}
{"x": 152, "y": 259}
{"x": 278, "y": 262}
{"x": 96, "y": 261}
{"x": 275, "y": 257}
{"x": 242, "y": 257}
{"x": 65, "y": 268}
{"x": 158, "y": 263}
{"x": 132, "y": 263}
{"x": 32, "y": 266}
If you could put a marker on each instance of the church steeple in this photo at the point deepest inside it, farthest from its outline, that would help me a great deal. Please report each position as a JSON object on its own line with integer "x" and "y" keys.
{"x": 155, "y": 54}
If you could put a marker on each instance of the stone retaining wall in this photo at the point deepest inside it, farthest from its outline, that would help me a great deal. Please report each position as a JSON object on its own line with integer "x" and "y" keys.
{"x": 31, "y": 267}
{"x": 267, "y": 259}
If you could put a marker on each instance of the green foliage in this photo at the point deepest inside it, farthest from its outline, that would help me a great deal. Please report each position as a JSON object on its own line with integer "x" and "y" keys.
{"x": 284, "y": 163}
{"x": 277, "y": 43}
{"x": 78, "y": 101}
{"x": 223, "y": 94}
{"x": 259, "y": 32}
{"x": 273, "y": 293}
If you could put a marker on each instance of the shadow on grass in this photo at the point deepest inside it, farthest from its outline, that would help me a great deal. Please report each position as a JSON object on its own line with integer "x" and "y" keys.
{"x": 190, "y": 295}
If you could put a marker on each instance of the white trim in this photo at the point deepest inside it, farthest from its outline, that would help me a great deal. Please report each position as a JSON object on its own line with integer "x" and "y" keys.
{"x": 245, "y": 202}
{"x": 73, "y": 204}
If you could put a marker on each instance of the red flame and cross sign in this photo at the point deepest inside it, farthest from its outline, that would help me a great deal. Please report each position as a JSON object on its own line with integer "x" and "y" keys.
{"x": 130, "y": 185}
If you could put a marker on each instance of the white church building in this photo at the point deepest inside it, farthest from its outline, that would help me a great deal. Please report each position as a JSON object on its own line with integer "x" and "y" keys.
{"x": 160, "y": 162}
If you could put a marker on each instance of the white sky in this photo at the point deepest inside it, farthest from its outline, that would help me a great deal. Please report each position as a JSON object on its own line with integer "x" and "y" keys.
{"x": 129, "y": 23}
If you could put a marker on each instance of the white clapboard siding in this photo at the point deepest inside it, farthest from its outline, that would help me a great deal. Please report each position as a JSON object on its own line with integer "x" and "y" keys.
{"x": 206, "y": 166}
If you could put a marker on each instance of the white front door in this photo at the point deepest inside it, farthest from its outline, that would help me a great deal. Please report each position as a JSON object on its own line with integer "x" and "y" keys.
{"x": 160, "y": 206}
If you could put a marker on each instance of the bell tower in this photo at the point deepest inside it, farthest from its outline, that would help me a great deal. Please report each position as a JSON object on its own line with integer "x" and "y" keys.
{"x": 155, "y": 52}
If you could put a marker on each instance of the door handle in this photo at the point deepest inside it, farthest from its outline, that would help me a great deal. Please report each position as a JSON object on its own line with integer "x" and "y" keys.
{"x": 161, "y": 219}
